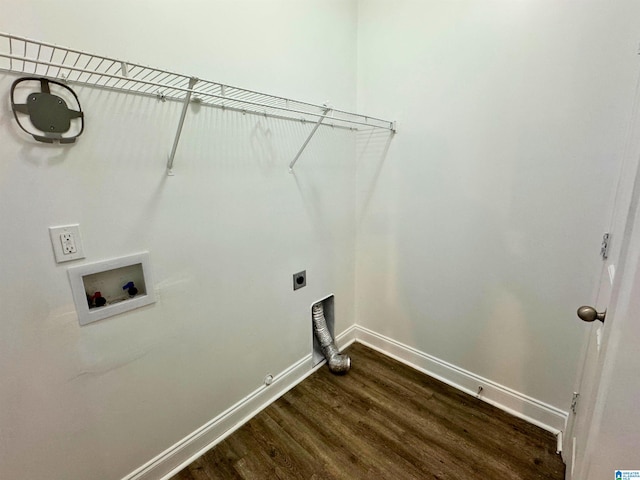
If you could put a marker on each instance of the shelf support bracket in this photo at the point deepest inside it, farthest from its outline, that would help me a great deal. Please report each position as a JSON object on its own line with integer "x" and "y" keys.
{"x": 313, "y": 132}
{"x": 185, "y": 106}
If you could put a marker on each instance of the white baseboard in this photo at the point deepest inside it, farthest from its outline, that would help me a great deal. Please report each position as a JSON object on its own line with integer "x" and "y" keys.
{"x": 534, "y": 411}
{"x": 175, "y": 458}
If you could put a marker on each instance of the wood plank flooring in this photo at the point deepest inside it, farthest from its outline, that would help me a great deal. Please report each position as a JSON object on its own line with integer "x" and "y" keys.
{"x": 383, "y": 420}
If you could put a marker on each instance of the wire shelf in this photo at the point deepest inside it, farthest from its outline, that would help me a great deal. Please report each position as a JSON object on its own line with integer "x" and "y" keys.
{"x": 31, "y": 57}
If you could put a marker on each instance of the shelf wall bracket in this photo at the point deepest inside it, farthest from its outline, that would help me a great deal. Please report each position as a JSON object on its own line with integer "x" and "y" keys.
{"x": 185, "y": 106}
{"x": 313, "y": 132}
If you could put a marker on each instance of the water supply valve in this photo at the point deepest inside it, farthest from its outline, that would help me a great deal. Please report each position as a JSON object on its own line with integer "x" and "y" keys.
{"x": 99, "y": 300}
{"x": 131, "y": 289}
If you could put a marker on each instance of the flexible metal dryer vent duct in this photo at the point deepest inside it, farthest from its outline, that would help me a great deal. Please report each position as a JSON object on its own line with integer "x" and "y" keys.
{"x": 337, "y": 362}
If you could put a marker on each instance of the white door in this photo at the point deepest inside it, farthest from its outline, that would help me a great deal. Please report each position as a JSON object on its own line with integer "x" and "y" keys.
{"x": 581, "y": 412}
{"x": 576, "y": 439}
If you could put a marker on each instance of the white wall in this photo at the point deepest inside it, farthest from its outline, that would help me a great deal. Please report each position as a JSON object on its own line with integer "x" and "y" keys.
{"x": 479, "y": 230}
{"x": 478, "y": 225}
{"x": 224, "y": 235}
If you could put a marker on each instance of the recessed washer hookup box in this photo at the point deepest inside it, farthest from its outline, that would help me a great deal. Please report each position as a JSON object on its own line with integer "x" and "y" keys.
{"x": 110, "y": 287}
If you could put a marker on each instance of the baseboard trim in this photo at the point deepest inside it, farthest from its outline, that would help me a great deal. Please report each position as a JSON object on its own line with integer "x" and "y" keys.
{"x": 178, "y": 456}
{"x": 534, "y": 411}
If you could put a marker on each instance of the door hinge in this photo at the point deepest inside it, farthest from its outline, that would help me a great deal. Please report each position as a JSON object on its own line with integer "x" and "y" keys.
{"x": 574, "y": 402}
{"x": 604, "y": 246}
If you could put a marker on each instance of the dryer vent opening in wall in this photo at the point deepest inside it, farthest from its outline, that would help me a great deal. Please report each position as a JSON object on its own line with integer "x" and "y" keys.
{"x": 323, "y": 332}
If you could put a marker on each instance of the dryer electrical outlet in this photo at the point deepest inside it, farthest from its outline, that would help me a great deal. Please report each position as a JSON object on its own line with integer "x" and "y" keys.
{"x": 66, "y": 242}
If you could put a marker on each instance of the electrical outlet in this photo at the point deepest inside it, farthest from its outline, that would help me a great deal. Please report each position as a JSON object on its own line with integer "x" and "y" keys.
{"x": 299, "y": 280}
{"x": 66, "y": 242}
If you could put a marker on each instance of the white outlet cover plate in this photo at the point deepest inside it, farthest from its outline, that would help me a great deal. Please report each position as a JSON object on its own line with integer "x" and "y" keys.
{"x": 56, "y": 243}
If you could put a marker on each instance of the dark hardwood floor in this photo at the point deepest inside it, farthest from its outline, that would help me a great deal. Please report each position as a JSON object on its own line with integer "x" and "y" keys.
{"x": 383, "y": 420}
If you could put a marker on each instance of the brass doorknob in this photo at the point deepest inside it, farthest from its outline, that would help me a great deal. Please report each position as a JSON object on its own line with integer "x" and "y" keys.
{"x": 590, "y": 314}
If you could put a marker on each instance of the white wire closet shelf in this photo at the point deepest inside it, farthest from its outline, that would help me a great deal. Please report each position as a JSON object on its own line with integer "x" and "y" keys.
{"x": 40, "y": 59}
